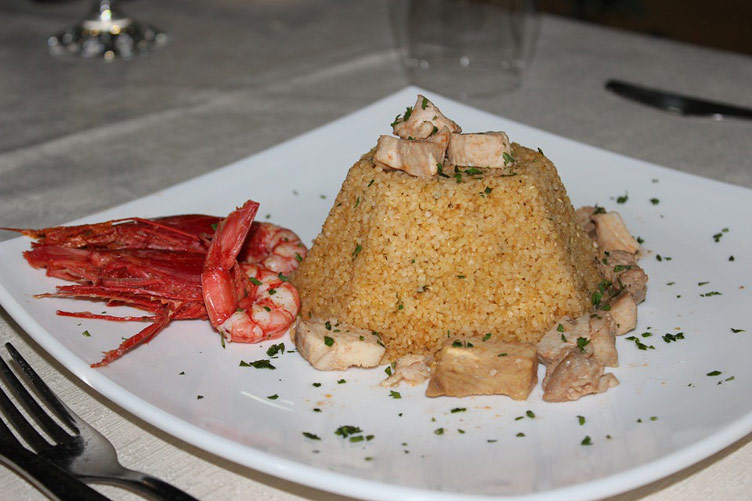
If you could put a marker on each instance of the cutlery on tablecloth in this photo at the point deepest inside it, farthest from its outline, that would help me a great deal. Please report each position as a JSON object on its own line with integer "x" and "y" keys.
{"x": 677, "y": 103}
{"x": 86, "y": 454}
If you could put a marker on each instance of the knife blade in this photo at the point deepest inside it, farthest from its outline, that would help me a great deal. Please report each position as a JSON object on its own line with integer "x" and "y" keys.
{"x": 677, "y": 103}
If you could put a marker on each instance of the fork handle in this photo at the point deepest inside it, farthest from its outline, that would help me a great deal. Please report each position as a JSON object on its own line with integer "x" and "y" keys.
{"x": 148, "y": 486}
{"x": 48, "y": 478}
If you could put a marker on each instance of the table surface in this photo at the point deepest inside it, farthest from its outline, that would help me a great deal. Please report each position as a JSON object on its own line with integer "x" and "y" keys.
{"x": 237, "y": 77}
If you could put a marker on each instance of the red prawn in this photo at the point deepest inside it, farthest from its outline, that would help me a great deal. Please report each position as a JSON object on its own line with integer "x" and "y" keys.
{"x": 177, "y": 268}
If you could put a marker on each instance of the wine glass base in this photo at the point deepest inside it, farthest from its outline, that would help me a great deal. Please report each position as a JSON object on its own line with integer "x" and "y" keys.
{"x": 109, "y": 39}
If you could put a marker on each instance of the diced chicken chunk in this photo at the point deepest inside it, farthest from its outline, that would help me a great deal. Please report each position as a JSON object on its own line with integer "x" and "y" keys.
{"x": 621, "y": 269}
{"x": 412, "y": 369}
{"x": 418, "y": 158}
{"x": 562, "y": 337}
{"x": 624, "y": 312}
{"x": 590, "y": 334}
{"x": 635, "y": 282}
{"x": 603, "y": 340}
{"x": 330, "y": 346}
{"x": 575, "y": 375}
{"x": 472, "y": 366}
{"x": 585, "y": 218}
{"x": 612, "y": 234}
{"x": 425, "y": 120}
{"x": 485, "y": 149}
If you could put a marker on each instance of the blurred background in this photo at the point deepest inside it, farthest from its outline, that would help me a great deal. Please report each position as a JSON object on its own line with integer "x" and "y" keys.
{"x": 722, "y": 24}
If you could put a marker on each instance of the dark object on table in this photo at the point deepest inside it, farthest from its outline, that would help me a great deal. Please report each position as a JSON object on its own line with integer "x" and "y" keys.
{"x": 677, "y": 103}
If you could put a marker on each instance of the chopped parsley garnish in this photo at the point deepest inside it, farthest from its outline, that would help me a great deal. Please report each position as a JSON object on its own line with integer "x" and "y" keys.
{"x": 560, "y": 328}
{"x": 501, "y": 355}
{"x": 316, "y": 385}
{"x": 347, "y": 430}
{"x": 273, "y": 397}
{"x": 255, "y": 281}
{"x": 312, "y": 436}
{"x": 394, "y": 394}
{"x": 737, "y": 331}
{"x": 581, "y": 420}
{"x": 329, "y": 341}
{"x": 275, "y": 349}
{"x": 673, "y": 337}
{"x": 714, "y": 373}
{"x": 341, "y": 381}
{"x": 86, "y": 334}
{"x": 258, "y": 364}
{"x": 439, "y": 431}
{"x": 214, "y": 226}
{"x": 357, "y": 250}
{"x": 622, "y": 199}
{"x": 711, "y": 293}
{"x": 508, "y": 159}
{"x": 458, "y": 409}
{"x": 487, "y": 336}
{"x": 582, "y": 342}
{"x": 530, "y": 414}
{"x": 654, "y": 201}
{"x": 702, "y": 283}
{"x": 283, "y": 277}
{"x": 586, "y": 440}
{"x": 357, "y": 201}
{"x": 717, "y": 236}
{"x": 199, "y": 397}
{"x": 520, "y": 434}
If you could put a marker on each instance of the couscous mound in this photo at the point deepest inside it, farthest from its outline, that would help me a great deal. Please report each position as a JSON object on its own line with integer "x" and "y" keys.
{"x": 467, "y": 252}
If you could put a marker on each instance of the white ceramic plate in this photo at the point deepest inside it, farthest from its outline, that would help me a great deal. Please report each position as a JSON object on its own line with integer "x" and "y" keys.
{"x": 667, "y": 413}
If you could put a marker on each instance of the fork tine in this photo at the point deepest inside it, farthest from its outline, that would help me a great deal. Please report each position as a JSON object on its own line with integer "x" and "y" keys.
{"x": 27, "y": 431}
{"x": 62, "y": 410}
{"x": 43, "y": 418}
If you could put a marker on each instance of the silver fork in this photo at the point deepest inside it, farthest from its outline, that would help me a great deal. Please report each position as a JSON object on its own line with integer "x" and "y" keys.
{"x": 86, "y": 453}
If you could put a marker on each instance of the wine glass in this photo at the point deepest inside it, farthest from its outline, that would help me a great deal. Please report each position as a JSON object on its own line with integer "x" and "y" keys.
{"x": 106, "y": 33}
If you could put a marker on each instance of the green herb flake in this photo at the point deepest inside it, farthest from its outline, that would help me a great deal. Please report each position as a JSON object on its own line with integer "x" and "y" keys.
{"x": 181, "y": 373}
{"x": 347, "y": 430}
{"x": 424, "y": 103}
{"x": 341, "y": 381}
{"x": 275, "y": 349}
{"x": 199, "y": 397}
{"x": 714, "y": 373}
{"x": 357, "y": 250}
{"x": 560, "y": 328}
{"x": 329, "y": 341}
{"x": 581, "y": 420}
{"x": 582, "y": 342}
{"x": 622, "y": 199}
{"x": 654, "y": 201}
{"x": 486, "y": 336}
{"x": 737, "y": 331}
{"x": 312, "y": 436}
{"x": 508, "y": 159}
{"x": 530, "y": 414}
{"x": 502, "y": 355}
{"x": 258, "y": 364}
{"x": 357, "y": 201}
{"x": 255, "y": 281}
{"x": 273, "y": 397}
{"x": 438, "y": 431}
{"x": 520, "y": 434}
{"x": 316, "y": 385}
{"x": 458, "y": 409}
{"x": 586, "y": 440}
{"x": 86, "y": 333}
{"x": 394, "y": 394}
